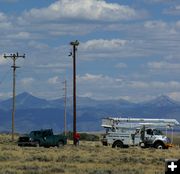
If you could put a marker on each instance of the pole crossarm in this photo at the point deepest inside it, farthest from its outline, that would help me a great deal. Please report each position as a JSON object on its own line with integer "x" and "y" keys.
{"x": 14, "y": 56}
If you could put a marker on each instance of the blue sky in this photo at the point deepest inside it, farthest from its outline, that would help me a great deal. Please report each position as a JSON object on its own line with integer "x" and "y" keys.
{"x": 128, "y": 49}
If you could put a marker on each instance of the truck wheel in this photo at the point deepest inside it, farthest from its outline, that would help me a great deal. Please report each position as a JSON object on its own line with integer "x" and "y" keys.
{"x": 60, "y": 144}
{"x": 117, "y": 144}
{"x": 159, "y": 145}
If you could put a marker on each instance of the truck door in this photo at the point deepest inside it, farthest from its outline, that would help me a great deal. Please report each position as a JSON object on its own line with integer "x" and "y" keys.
{"x": 149, "y": 138}
{"x": 48, "y": 138}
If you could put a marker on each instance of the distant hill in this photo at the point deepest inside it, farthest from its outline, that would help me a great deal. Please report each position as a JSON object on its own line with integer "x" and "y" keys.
{"x": 25, "y": 101}
{"x": 36, "y": 113}
{"x": 163, "y": 101}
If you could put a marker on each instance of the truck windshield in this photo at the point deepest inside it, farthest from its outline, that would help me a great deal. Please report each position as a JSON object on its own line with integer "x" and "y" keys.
{"x": 157, "y": 132}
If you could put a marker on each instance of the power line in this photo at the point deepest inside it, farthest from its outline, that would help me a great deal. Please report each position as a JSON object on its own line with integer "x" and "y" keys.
{"x": 14, "y": 57}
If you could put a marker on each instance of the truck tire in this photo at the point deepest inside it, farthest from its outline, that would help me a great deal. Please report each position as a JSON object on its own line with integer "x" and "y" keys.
{"x": 60, "y": 144}
{"x": 159, "y": 145}
{"x": 118, "y": 144}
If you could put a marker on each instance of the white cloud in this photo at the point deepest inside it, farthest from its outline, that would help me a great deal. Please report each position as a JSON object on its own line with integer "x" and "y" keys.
{"x": 20, "y": 35}
{"x": 87, "y": 94}
{"x": 160, "y": 25}
{"x": 107, "y": 81}
{"x": 3, "y": 60}
{"x": 102, "y": 44}
{"x": 90, "y": 77}
{"x": 138, "y": 84}
{"x": 54, "y": 80}
{"x": 67, "y": 29}
{"x": 37, "y": 45}
{"x": 2, "y": 17}
{"x": 115, "y": 49}
{"x": 121, "y": 65}
{"x": 150, "y": 38}
{"x": 4, "y": 23}
{"x": 175, "y": 10}
{"x": 83, "y": 9}
{"x": 110, "y": 49}
{"x": 5, "y": 95}
{"x": 27, "y": 81}
{"x": 175, "y": 95}
{"x": 105, "y": 87}
{"x": 164, "y": 66}
{"x": 153, "y": 85}
{"x": 55, "y": 67}
{"x": 178, "y": 24}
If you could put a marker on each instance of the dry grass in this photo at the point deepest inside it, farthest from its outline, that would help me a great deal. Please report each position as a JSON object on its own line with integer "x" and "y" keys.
{"x": 176, "y": 139}
{"x": 88, "y": 158}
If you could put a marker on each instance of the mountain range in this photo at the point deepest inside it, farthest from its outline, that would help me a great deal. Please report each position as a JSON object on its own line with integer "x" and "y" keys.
{"x": 36, "y": 113}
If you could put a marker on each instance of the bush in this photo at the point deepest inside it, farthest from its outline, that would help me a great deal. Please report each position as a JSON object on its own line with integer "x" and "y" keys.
{"x": 89, "y": 137}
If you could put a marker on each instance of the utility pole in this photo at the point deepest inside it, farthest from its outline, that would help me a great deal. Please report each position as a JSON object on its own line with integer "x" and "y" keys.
{"x": 65, "y": 99}
{"x": 14, "y": 57}
{"x": 74, "y": 45}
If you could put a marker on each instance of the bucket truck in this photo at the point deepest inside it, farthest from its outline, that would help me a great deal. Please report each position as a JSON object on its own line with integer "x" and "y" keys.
{"x": 143, "y": 132}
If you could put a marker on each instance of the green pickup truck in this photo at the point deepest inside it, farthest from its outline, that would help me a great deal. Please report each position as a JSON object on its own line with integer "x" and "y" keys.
{"x": 44, "y": 138}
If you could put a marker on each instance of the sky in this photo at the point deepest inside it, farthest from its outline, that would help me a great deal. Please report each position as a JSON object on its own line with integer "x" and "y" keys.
{"x": 129, "y": 49}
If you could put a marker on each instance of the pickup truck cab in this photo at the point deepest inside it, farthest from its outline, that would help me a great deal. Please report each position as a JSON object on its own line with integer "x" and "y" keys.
{"x": 44, "y": 138}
